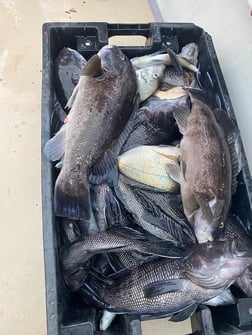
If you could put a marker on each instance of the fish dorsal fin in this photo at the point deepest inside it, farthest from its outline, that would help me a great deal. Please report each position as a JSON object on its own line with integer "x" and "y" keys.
{"x": 175, "y": 61}
{"x": 93, "y": 67}
{"x": 233, "y": 141}
{"x": 181, "y": 117}
{"x": 227, "y": 124}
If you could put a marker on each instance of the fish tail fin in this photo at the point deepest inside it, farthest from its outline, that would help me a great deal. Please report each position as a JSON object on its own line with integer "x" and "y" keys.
{"x": 72, "y": 198}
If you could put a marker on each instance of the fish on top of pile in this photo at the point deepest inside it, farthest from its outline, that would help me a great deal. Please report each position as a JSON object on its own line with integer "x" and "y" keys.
{"x": 147, "y": 165}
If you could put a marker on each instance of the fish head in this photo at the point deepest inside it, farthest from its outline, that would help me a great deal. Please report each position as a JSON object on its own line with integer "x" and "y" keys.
{"x": 113, "y": 60}
{"x": 153, "y": 73}
{"x": 220, "y": 253}
{"x": 218, "y": 264}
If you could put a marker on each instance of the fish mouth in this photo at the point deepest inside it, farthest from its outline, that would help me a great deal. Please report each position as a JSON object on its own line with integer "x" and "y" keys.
{"x": 110, "y": 56}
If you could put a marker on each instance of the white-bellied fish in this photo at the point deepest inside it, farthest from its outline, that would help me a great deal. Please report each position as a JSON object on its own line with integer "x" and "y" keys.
{"x": 162, "y": 58}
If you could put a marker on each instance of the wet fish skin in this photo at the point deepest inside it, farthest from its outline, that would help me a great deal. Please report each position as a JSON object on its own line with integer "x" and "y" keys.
{"x": 147, "y": 165}
{"x": 170, "y": 286}
{"x": 68, "y": 66}
{"x": 164, "y": 224}
{"x": 114, "y": 239}
{"x": 205, "y": 170}
{"x": 98, "y": 199}
{"x": 147, "y": 133}
{"x": 148, "y": 80}
{"x": 173, "y": 78}
{"x": 106, "y": 87}
{"x": 157, "y": 59}
{"x": 159, "y": 112}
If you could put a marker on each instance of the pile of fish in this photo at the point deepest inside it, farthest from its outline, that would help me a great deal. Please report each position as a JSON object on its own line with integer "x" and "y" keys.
{"x": 147, "y": 163}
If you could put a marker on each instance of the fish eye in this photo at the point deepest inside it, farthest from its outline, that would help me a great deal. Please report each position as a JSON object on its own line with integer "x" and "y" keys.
{"x": 155, "y": 75}
{"x": 221, "y": 225}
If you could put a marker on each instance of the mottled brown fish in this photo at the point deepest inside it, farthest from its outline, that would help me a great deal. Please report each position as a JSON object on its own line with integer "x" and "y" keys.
{"x": 206, "y": 168}
{"x": 101, "y": 105}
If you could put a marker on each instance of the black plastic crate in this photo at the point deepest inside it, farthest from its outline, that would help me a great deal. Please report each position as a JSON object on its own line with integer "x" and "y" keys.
{"x": 65, "y": 314}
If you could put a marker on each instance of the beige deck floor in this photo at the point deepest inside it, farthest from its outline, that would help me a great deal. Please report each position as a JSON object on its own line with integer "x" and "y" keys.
{"x": 22, "y": 292}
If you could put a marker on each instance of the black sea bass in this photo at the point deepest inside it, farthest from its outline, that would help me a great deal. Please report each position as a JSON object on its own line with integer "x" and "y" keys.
{"x": 101, "y": 105}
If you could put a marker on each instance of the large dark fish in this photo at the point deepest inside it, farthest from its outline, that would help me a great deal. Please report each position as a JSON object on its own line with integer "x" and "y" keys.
{"x": 173, "y": 287}
{"x": 205, "y": 168}
{"x": 102, "y": 103}
{"x": 114, "y": 239}
{"x": 68, "y": 66}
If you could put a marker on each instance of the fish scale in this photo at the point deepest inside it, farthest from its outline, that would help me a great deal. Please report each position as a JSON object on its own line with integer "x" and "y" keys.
{"x": 105, "y": 93}
{"x": 169, "y": 286}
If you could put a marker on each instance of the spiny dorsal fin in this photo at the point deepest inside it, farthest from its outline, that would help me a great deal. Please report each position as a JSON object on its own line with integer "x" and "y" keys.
{"x": 233, "y": 141}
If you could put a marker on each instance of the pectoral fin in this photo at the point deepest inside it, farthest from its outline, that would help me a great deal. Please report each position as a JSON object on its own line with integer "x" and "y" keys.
{"x": 54, "y": 148}
{"x": 174, "y": 172}
{"x": 163, "y": 287}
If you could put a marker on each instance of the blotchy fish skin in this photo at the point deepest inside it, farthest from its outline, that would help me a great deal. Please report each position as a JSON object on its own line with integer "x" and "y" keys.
{"x": 169, "y": 286}
{"x": 173, "y": 78}
{"x": 206, "y": 176}
{"x": 101, "y": 107}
